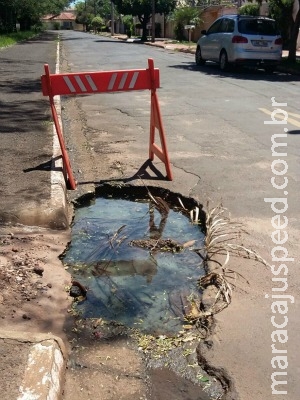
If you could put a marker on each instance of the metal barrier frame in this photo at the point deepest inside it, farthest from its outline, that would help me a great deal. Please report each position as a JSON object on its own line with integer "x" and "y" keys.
{"x": 101, "y": 82}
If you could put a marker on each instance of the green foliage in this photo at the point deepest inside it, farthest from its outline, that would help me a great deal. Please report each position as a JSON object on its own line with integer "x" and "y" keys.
{"x": 97, "y": 23}
{"x": 38, "y": 27}
{"x": 249, "y": 9}
{"x": 281, "y": 11}
{"x": 184, "y": 16}
{"x": 56, "y": 25}
{"x": 127, "y": 21}
{"x": 103, "y": 8}
{"x": 27, "y": 12}
{"x": 143, "y": 10}
{"x": 87, "y": 10}
{"x": 128, "y": 24}
{"x": 13, "y": 38}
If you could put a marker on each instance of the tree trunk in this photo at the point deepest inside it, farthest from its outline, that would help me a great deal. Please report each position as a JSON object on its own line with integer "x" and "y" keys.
{"x": 144, "y": 21}
{"x": 25, "y": 24}
{"x": 294, "y": 37}
{"x": 7, "y": 20}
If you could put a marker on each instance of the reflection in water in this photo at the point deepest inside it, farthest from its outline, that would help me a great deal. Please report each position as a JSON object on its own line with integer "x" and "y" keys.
{"x": 144, "y": 267}
{"x": 138, "y": 285}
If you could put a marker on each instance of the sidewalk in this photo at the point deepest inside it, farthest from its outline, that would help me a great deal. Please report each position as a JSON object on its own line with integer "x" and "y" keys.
{"x": 32, "y": 195}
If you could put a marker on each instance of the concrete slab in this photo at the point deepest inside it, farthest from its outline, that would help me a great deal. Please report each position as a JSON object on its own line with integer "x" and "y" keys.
{"x": 37, "y": 362}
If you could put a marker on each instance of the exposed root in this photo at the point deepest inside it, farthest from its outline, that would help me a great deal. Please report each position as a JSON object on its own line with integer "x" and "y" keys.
{"x": 221, "y": 243}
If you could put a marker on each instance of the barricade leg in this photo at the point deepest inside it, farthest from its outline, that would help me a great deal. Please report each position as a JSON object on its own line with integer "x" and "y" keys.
{"x": 66, "y": 162}
{"x": 156, "y": 123}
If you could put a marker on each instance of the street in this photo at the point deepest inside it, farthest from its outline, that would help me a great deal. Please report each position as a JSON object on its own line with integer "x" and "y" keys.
{"x": 207, "y": 117}
{"x": 233, "y": 138}
{"x": 222, "y": 149}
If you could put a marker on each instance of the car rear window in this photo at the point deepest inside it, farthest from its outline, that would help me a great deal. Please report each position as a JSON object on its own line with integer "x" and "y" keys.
{"x": 258, "y": 27}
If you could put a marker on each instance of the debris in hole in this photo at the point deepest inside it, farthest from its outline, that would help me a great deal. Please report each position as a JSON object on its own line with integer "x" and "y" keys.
{"x": 77, "y": 289}
{"x": 158, "y": 245}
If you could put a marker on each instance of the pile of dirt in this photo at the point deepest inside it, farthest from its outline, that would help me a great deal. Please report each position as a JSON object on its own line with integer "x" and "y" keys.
{"x": 20, "y": 275}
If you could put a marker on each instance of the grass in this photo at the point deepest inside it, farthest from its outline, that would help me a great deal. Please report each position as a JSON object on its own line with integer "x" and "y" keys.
{"x": 12, "y": 38}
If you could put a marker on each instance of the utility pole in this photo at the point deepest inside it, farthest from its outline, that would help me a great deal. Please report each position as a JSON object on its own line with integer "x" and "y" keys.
{"x": 153, "y": 22}
{"x": 112, "y": 22}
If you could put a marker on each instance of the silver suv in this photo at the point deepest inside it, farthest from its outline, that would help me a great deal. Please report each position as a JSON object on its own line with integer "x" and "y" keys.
{"x": 241, "y": 40}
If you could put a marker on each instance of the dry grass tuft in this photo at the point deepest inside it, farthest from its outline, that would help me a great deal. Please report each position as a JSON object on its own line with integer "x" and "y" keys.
{"x": 222, "y": 242}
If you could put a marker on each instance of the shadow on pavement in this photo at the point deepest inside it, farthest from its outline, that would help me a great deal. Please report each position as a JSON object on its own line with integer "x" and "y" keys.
{"x": 238, "y": 73}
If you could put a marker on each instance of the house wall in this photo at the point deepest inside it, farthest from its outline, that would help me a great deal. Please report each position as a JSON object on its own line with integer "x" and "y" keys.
{"x": 63, "y": 24}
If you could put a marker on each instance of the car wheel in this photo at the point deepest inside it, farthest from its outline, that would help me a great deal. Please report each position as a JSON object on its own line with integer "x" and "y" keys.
{"x": 223, "y": 60}
{"x": 198, "y": 57}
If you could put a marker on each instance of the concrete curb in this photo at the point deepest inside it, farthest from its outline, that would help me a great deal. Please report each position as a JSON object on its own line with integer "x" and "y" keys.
{"x": 46, "y": 363}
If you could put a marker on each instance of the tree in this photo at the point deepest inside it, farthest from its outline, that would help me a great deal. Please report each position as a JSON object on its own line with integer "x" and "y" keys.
{"x": 8, "y": 16}
{"x": 143, "y": 10}
{"x": 128, "y": 23}
{"x": 184, "y": 16}
{"x": 84, "y": 15}
{"x": 249, "y": 9}
{"x": 27, "y": 12}
{"x": 288, "y": 21}
{"x": 294, "y": 33}
{"x": 97, "y": 23}
{"x": 104, "y": 8}
{"x": 281, "y": 11}
{"x": 87, "y": 10}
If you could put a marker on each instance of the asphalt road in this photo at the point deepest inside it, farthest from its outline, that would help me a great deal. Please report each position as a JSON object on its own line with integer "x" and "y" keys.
{"x": 26, "y": 193}
{"x": 214, "y": 122}
{"x": 221, "y": 151}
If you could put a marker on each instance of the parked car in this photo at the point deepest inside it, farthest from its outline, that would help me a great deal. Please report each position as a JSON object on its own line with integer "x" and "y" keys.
{"x": 241, "y": 40}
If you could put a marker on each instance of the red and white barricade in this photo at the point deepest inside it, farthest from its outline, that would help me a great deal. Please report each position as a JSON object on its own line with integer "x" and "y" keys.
{"x": 106, "y": 82}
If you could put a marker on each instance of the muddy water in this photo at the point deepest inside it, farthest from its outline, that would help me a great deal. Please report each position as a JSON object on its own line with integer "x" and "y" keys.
{"x": 119, "y": 250}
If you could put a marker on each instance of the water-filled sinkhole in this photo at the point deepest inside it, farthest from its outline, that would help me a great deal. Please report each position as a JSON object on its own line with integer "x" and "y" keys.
{"x": 138, "y": 263}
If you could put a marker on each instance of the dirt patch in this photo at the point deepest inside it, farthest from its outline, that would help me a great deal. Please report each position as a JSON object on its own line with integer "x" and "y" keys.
{"x": 32, "y": 280}
{"x": 177, "y": 388}
{"x": 108, "y": 363}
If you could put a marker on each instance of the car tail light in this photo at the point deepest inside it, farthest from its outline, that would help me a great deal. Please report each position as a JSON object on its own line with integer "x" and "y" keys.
{"x": 239, "y": 39}
{"x": 278, "y": 41}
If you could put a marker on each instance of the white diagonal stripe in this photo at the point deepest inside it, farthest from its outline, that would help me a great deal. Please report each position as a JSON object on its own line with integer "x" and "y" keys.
{"x": 123, "y": 80}
{"x": 91, "y": 83}
{"x": 112, "y": 81}
{"x": 80, "y": 83}
{"x": 69, "y": 84}
{"x": 133, "y": 80}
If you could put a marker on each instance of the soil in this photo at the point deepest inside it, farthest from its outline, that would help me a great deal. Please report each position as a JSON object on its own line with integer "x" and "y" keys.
{"x": 32, "y": 281}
